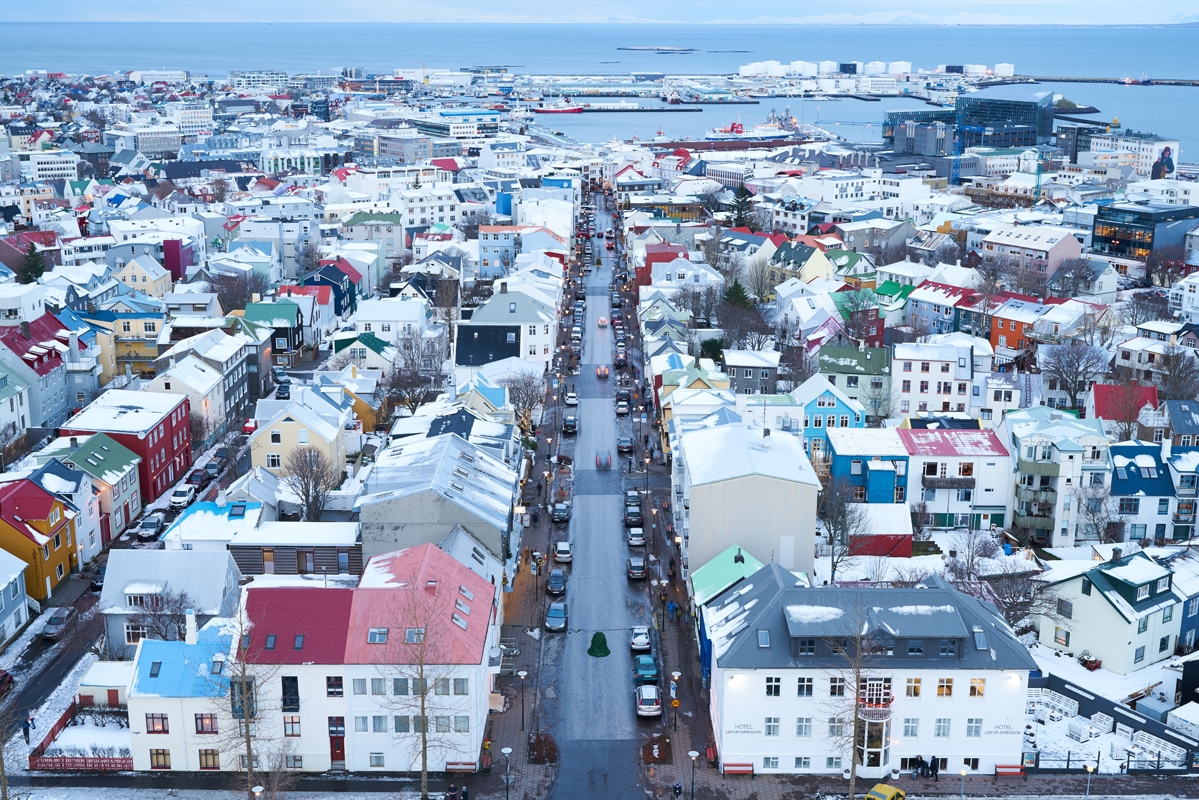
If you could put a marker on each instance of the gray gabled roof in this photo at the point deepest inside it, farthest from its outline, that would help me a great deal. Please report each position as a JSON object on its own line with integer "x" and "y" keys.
{"x": 210, "y": 578}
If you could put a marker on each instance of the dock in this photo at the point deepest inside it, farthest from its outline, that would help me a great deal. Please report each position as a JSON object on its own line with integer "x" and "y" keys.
{"x": 1130, "y": 82}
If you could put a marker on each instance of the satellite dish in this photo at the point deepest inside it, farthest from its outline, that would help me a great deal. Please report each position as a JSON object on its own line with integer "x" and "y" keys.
{"x": 494, "y": 653}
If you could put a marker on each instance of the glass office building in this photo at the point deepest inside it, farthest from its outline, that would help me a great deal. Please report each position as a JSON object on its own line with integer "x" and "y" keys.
{"x": 1134, "y": 230}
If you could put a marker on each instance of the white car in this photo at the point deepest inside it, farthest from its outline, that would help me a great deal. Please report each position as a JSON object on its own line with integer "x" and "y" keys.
{"x": 562, "y": 553}
{"x": 648, "y": 700}
{"x": 183, "y": 496}
{"x": 640, "y": 640}
{"x": 636, "y": 537}
{"x": 572, "y": 399}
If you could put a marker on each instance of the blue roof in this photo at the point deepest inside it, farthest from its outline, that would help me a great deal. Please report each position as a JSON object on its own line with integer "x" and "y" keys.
{"x": 1138, "y": 470}
{"x": 468, "y": 112}
{"x": 234, "y": 514}
{"x": 182, "y": 669}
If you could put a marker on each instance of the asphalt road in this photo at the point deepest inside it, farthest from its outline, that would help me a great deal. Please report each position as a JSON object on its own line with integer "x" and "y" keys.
{"x": 589, "y": 701}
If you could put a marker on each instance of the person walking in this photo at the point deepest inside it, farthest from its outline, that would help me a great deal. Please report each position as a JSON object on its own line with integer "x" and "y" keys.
{"x": 25, "y": 730}
{"x": 465, "y": 795}
{"x": 934, "y": 766}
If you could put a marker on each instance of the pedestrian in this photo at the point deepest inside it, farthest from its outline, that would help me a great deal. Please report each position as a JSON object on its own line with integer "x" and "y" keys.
{"x": 916, "y": 762}
{"x": 924, "y": 770}
{"x": 647, "y": 441}
{"x": 32, "y": 723}
{"x": 934, "y": 767}
{"x": 452, "y": 794}
{"x": 465, "y": 794}
{"x": 25, "y": 730}
{"x": 670, "y": 609}
{"x": 539, "y": 488}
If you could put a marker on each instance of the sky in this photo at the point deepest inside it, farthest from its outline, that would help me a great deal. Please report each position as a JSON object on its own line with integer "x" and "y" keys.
{"x": 1105, "y": 12}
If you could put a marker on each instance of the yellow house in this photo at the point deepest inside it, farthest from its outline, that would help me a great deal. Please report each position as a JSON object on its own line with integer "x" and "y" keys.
{"x": 126, "y": 339}
{"x": 37, "y": 527}
{"x": 146, "y": 274}
{"x": 797, "y": 260}
{"x": 296, "y": 426}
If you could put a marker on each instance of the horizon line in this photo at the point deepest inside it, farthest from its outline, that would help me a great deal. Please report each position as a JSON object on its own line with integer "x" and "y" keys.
{"x": 631, "y": 22}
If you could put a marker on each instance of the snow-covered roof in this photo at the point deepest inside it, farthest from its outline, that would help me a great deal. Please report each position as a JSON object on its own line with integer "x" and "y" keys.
{"x": 268, "y": 534}
{"x": 728, "y": 452}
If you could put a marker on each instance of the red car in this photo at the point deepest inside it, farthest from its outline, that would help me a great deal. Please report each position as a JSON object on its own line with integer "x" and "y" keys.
{"x": 250, "y": 426}
{"x": 610, "y": 245}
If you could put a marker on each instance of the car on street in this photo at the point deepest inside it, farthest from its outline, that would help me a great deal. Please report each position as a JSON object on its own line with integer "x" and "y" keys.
{"x": 645, "y": 669}
{"x": 882, "y": 791}
{"x": 98, "y": 577}
{"x": 620, "y": 360}
{"x": 570, "y": 424}
{"x": 555, "y": 584}
{"x": 603, "y": 459}
{"x": 648, "y": 701}
{"x": 212, "y": 468}
{"x": 280, "y": 375}
{"x": 150, "y": 528}
{"x": 562, "y": 553}
{"x": 602, "y": 372}
{"x": 632, "y": 517}
{"x": 632, "y": 497}
{"x": 572, "y": 399}
{"x": 624, "y": 394}
{"x": 183, "y": 496}
{"x": 602, "y": 322}
{"x": 636, "y": 567}
{"x": 615, "y": 300}
{"x": 636, "y": 537}
{"x": 610, "y": 246}
{"x": 640, "y": 639}
{"x": 283, "y": 392}
{"x": 60, "y": 620}
{"x": 622, "y": 408}
{"x": 561, "y": 512}
{"x": 555, "y": 616}
{"x": 196, "y": 477}
{"x": 624, "y": 444}
{"x": 6, "y": 682}
{"x": 249, "y": 427}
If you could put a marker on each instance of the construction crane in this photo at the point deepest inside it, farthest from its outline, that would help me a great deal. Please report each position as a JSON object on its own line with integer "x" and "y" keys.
{"x": 1042, "y": 160}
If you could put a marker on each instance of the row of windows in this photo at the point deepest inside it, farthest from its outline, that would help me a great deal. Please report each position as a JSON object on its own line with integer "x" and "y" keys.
{"x": 834, "y": 763}
{"x": 211, "y": 759}
{"x": 459, "y": 723}
{"x": 913, "y": 688}
{"x": 836, "y": 727}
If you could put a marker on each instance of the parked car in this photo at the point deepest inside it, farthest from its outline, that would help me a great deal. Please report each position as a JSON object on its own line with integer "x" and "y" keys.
{"x": 572, "y": 399}
{"x": 555, "y": 584}
{"x": 620, "y": 361}
{"x": 183, "y": 496}
{"x": 636, "y": 567}
{"x": 283, "y": 392}
{"x": 645, "y": 669}
{"x": 562, "y": 553}
{"x": 882, "y": 791}
{"x": 632, "y": 517}
{"x": 98, "y": 577}
{"x": 632, "y": 497}
{"x": 279, "y": 374}
{"x": 570, "y": 424}
{"x": 555, "y": 616}
{"x": 624, "y": 444}
{"x": 60, "y": 620}
{"x": 636, "y": 537}
{"x": 249, "y": 427}
{"x": 196, "y": 477}
{"x": 212, "y": 468}
{"x": 624, "y": 394}
{"x": 6, "y": 682}
{"x": 151, "y": 528}
{"x": 640, "y": 639}
{"x": 622, "y": 408}
{"x": 648, "y": 701}
{"x": 561, "y": 512}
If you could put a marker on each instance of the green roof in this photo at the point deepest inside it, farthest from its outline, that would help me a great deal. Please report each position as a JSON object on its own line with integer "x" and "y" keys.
{"x": 721, "y": 573}
{"x": 366, "y": 339}
{"x": 366, "y": 217}
{"x": 844, "y": 360}
{"x": 100, "y": 456}
{"x": 888, "y": 288}
{"x": 11, "y": 384}
{"x": 284, "y": 310}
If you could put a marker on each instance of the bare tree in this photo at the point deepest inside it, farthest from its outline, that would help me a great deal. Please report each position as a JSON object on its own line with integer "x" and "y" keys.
{"x": 920, "y": 519}
{"x": 1074, "y": 367}
{"x": 408, "y": 388}
{"x": 308, "y": 257}
{"x": 876, "y": 396}
{"x": 761, "y": 219}
{"x": 472, "y": 220}
{"x": 710, "y": 202}
{"x": 971, "y": 548}
{"x": 843, "y": 518}
{"x": 758, "y": 277}
{"x": 309, "y": 473}
{"x": 14, "y": 755}
{"x": 1166, "y": 264}
{"x": 948, "y": 252}
{"x": 713, "y": 255}
{"x": 795, "y": 367}
{"x": 1098, "y": 329}
{"x": 447, "y": 304}
{"x": 1072, "y": 275}
{"x": 526, "y": 392}
{"x": 198, "y": 428}
{"x": 220, "y": 189}
{"x": 164, "y": 615}
{"x": 857, "y": 310}
{"x": 1099, "y": 513}
{"x": 1021, "y": 596}
{"x": 237, "y": 291}
{"x": 1144, "y": 307}
{"x": 1179, "y": 374}
{"x": 1125, "y": 406}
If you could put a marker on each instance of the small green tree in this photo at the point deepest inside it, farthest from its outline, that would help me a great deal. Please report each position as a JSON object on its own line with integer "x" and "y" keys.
{"x": 599, "y": 645}
{"x": 32, "y": 266}
{"x": 736, "y": 295}
{"x": 742, "y": 210}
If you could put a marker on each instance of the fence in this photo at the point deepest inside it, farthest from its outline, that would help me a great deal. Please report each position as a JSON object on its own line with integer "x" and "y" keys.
{"x": 39, "y": 761}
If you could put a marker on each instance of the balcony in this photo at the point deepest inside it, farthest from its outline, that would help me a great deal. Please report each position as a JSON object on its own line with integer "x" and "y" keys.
{"x": 82, "y": 365}
{"x": 1035, "y": 522}
{"x": 1185, "y": 491}
{"x": 930, "y": 482}
{"x": 1050, "y": 468}
{"x": 1029, "y": 495}
{"x": 875, "y": 709}
{"x": 1184, "y": 517}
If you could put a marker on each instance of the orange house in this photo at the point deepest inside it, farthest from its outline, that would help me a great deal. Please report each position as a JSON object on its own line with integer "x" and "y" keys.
{"x": 39, "y": 529}
{"x": 1011, "y": 324}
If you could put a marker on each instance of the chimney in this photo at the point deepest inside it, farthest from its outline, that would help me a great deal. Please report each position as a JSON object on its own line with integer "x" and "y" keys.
{"x": 74, "y": 443}
{"x": 25, "y": 330}
{"x": 766, "y": 437}
{"x": 1117, "y": 554}
{"x": 503, "y": 287}
{"x": 73, "y": 347}
{"x": 353, "y": 370}
{"x": 191, "y": 636}
{"x": 738, "y": 559}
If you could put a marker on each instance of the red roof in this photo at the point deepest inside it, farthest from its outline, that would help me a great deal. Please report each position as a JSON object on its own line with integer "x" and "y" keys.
{"x": 951, "y": 442}
{"x": 323, "y": 294}
{"x": 42, "y": 351}
{"x": 319, "y": 615}
{"x": 344, "y": 266}
{"x": 24, "y": 500}
{"x": 448, "y": 164}
{"x": 22, "y": 240}
{"x": 1111, "y": 402}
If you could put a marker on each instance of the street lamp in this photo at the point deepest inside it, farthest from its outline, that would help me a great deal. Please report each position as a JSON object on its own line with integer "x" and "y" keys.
{"x": 647, "y": 476}
{"x": 653, "y": 529}
{"x": 694, "y": 755}
{"x": 674, "y": 682}
{"x": 963, "y": 784}
{"x": 522, "y": 675}
{"x": 507, "y": 751}
{"x": 257, "y": 790}
{"x": 1090, "y": 769}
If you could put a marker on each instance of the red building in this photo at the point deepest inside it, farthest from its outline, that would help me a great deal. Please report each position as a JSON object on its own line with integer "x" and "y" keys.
{"x": 153, "y": 425}
{"x": 658, "y": 254}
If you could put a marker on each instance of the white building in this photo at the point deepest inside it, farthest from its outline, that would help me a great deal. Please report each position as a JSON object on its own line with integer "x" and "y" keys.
{"x": 945, "y": 677}
{"x": 192, "y": 119}
{"x": 965, "y": 476}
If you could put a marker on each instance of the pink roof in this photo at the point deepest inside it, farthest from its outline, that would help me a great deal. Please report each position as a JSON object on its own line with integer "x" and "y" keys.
{"x": 318, "y": 614}
{"x": 421, "y": 587}
{"x": 42, "y": 351}
{"x": 1111, "y": 402}
{"x": 448, "y": 164}
{"x": 926, "y": 442}
{"x": 323, "y": 294}
{"x": 346, "y": 267}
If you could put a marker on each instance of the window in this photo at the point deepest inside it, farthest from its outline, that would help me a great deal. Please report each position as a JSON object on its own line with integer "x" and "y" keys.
{"x": 360, "y": 724}
{"x": 774, "y": 687}
{"x": 378, "y": 686}
{"x": 206, "y": 723}
{"x": 915, "y": 647}
{"x": 441, "y": 724}
{"x": 1167, "y": 613}
{"x": 293, "y": 762}
{"x": 1086, "y": 586}
{"x": 160, "y": 759}
{"x": 1163, "y": 584}
{"x": 945, "y": 687}
{"x": 291, "y": 726}
{"x": 276, "y": 437}
{"x": 1139, "y": 656}
{"x": 333, "y": 686}
{"x": 970, "y": 763}
{"x": 359, "y": 685}
{"x": 855, "y": 467}
{"x": 273, "y": 461}
{"x": 302, "y": 437}
{"x": 1142, "y": 592}
{"x": 911, "y": 728}
{"x": 401, "y": 724}
{"x": 1065, "y": 608}
{"x": 1163, "y": 643}
{"x": 379, "y": 724}
{"x": 1193, "y": 606}
{"x": 805, "y": 687}
{"x": 803, "y": 762}
{"x": 836, "y": 687}
{"x": 913, "y": 687}
{"x": 210, "y": 759}
{"x": 978, "y": 687}
{"x": 376, "y": 636}
{"x": 836, "y": 727}
{"x": 1061, "y": 636}
{"x": 949, "y": 647}
{"x": 941, "y": 728}
{"x": 806, "y": 647}
{"x": 414, "y": 635}
{"x": 772, "y": 726}
{"x": 157, "y": 723}
{"x": 832, "y": 762}
{"x": 399, "y": 686}
{"x": 291, "y": 693}
{"x": 134, "y": 633}
{"x": 461, "y": 723}
{"x": 1163, "y": 506}
{"x": 376, "y": 760}
{"x": 803, "y": 727}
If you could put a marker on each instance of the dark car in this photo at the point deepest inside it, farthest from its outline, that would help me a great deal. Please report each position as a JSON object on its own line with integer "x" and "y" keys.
{"x": 221, "y": 454}
{"x": 632, "y": 517}
{"x": 555, "y": 617}
{"x": 6, "y": 682}
{"x": 212, "y": 468}
{"x": 632, "y": 497}
{"x": 570, "y": 425}
{"x": 60, "y": 620}
{"x": 645, "y": 669}
{"x": 561, "y": 512}
{"x": 98, "y": 577}
{"x": 555, "y": 584}
{"x": 615, "y": 300}
{"x": 636, "y": 567}
{"x": 196, "y": 477}
{"x": 150, "y": 529}
{"x": 624, "y": 444}
{"x": 283, "y": 392}
{"x": 624, "y": 394}
{"x": 620, "y": 360}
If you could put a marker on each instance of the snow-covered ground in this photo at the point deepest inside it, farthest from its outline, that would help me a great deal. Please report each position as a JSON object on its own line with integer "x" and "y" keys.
{"x": 91, "y": 738}
{"x": 17, "y": 647}
{"x": 1106, "y": 683}
{"x": 49, "y": 712}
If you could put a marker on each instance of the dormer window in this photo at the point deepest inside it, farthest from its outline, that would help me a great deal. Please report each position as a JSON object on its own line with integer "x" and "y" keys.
{"x": 1163, "y": 584}
{"x": 1142, "y": 592}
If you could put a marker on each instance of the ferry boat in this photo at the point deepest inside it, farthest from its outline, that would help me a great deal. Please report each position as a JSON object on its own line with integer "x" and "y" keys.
{"x": 562, "y": 108}
{"x": 766, "y": 131}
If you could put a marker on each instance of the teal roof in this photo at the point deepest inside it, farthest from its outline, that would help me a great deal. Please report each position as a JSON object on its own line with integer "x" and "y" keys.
{"x": 366, "y": 339}
{"x": 100, "y": 456}
{"x": 722, "y": 572}
{"x": 179, "y": 669}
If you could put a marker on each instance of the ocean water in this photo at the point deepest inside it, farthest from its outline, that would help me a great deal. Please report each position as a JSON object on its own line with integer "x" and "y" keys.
{"x": 215, "y": 49}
